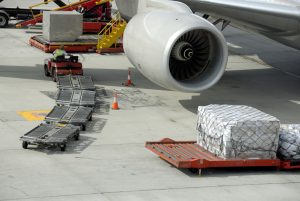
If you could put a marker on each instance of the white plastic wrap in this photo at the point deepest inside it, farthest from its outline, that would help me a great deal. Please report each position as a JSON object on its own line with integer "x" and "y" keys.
{"x": 237, "y": 131}
{"x": 289, "y": 141}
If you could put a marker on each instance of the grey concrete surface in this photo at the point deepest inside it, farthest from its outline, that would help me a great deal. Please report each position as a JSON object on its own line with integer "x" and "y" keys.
{"x": 62, "y": 26}
{"x": 110, "y": 162}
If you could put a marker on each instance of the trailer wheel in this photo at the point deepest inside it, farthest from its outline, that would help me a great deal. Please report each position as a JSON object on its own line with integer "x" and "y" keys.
{"x": 83, "y": 127}
{"x": 76, "y": 137}
{"x": 195, "y": 170}
{"x": 3, "y": 19}
{"x": 25, "y": 145}
{"x": 62, "y": 147}
{"x": 47, "y": 74}
{"x": 91, "y": 118}
{"x": 54, "y": 75}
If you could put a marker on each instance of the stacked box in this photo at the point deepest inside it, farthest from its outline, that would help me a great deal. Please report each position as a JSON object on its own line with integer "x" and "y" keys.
{"x": 289, "y": 141}
{"x": 237, "y": 131}
{"x": 62, "y": 26}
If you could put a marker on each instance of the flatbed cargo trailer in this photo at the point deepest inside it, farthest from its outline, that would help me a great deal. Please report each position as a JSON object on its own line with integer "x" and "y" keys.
{"x": 190, "y": 155}
{"x": 50, "y": 135}
{"x": 77, "y": 116}
{"x": 83, "y": 44}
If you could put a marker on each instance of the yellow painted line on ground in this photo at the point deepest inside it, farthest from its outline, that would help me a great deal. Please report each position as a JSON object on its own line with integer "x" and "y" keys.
{"x": 34, "y": 115}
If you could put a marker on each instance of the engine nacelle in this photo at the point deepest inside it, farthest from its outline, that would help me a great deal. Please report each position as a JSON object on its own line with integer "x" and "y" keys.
{"x": 177, "y": 51}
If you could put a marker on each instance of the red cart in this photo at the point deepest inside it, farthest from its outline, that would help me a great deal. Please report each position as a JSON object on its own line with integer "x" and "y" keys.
{"x": 68, "y": 65}
{"x": 188, "y": 154}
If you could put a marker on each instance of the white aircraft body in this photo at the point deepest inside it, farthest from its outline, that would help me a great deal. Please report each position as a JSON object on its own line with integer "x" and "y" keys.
{"x": 179, "y": 50}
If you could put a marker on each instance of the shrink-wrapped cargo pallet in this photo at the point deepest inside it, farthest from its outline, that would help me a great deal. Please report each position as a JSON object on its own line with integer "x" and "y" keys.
{"x": 237, "y": 131}
{"x": 289, "y": 141}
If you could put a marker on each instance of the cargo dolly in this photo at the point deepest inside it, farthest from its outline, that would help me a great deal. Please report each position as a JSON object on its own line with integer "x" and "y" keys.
{"x": 76, "y": 82}
{"x": 189, "y": 155}
{"x": 76, "y": 98}
{"x": 77, "y": 116}
{"x": 83, "y": 44}
{"x": 50, "y": 135}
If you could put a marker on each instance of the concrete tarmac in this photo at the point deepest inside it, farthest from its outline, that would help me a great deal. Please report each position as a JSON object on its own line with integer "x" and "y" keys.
{"x": 110, "y": 162}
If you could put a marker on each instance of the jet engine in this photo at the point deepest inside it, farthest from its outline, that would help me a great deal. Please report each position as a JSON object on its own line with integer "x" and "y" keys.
{"x": 176, "y": 50}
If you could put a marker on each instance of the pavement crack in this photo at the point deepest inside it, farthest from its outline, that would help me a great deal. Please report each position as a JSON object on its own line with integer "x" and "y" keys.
{"x": 19, "y": 190}
{"x": 52, "y": 196}
{"x": 197, "y": 187}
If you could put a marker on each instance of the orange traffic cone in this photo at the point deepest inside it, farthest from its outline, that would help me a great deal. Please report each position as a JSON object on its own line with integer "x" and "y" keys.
{"x": 115, "y": 105}
{"x": 129, "y": 82}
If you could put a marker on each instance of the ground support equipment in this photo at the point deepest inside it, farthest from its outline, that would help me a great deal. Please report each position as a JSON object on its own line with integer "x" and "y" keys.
{"x": 118, "y": 48}
{"x": 92, "y": 27}
{"x": 50, "y": 135}
{"x": 110, "y": 36}
{"x": 189, "y": 155}
{"x": 76, "y": 98}
{"x": 290, "y": 164}
{"x": 95, "y": 13}
{"x": 76, "y": 82}
{"x": 63, "y": 65}
{"x": 77, "y": 116}
{"x": 16, "y": 13}
{"x": 83, "y": 44}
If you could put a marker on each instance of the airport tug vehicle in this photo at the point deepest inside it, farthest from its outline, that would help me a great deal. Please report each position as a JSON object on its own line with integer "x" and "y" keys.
{"x": 62, "y": 65}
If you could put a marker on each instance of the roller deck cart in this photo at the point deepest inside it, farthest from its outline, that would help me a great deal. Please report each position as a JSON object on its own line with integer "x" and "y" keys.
{"x": 83, "y": 44}
{"x": 78, "y": 116}
{"x": 76, "y": 82}
{"x": 76, "y": 98}
{"x": 50, "y": 135}
{"x": 189, "y": 155}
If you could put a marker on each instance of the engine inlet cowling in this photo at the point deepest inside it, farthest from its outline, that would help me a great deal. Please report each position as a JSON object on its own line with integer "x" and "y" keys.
{"x": 190, "y": 55}
{"x": 178, "y": 51}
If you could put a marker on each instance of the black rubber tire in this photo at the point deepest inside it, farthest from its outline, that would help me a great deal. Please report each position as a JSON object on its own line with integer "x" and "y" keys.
{"x": 3, "y": 20}
{"x": 76, "y": 137}
{"x": 194, "y": 170}
{"x": 54, "y": 75}
{"x": 25, "y": 145}
{"x": 63, "y": 147}
{"x": 91, "y": 118}
{"x": 47, "y": 74}
{"x": 83, "y": 127}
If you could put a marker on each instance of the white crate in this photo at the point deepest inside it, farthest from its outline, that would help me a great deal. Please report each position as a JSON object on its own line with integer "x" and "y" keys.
{"x": 237, "y": 131}
{"x": 62, "y": 26}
